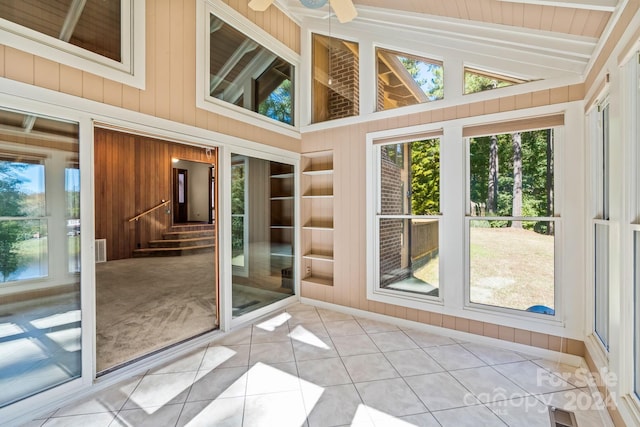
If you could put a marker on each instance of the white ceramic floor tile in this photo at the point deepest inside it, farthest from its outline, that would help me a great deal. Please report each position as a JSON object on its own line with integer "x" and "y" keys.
{"x": 235, "y": 337}
{"x": 413, "y": 362}
{"x": 340, "y": 328}
{"x": 470, "y": 416}
{"x": 441, "y": 391}
{"x": 231, "y": 356}
{"x": 219, "y": 413}
{"x": 487, "y": 384}
{"x": 306, "y": 316}
{"x": 574, "y": 375}
{"x": 453, "y": 357}
{"x": 532, "y": 378}
{"x": 589, "y": 409}
{"x": 316, "y": 329}
{"x": 392, "y": 341}
{"x": 426, "y": 339}
{"x": 392, "y": 396}
{"x": 373, "y": 326}
{"x": 163, "y": 416}
{"x": 110, "y": 400}
{"x": 272, "y": 378}
{"x": 421, "y": 420}
{"x": 278, "y": 352}
{"x": 337, "y": 406}
{"x": 278, "y": 334}
{"x": 324, "y": 372}
{"x": 354, "y": 344}
{"x": 313, "y": 348}
{"x": 188, "y": 363}
{"x": 493, "y": 355}
{"x": 369, "y": 367}
{"x": 91, "y": 420}
{"x": 161, "y": 389}
{"x": 219, "y": 383}
{"x": 275, "y": 409}
{"x": 330, "y": 316}
{"x": 521, "y": 412}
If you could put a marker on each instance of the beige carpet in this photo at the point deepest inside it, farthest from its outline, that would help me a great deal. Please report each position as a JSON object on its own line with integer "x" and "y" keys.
{"x": 146, "y": 304}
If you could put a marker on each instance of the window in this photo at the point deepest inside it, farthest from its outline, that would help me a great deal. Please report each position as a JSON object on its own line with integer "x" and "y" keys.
{"x": 511, "y": 221}
{"x": 408, "y": 216}
{"x": 246, "y": 74}
{"x": 477, "y": 80}
{"x": 40, "y": 326}
{"x": 601, "y": 229}
{"x": 93, "y": 35}
{"x": 335, "y": 79}
{"x": 407, "y": 79}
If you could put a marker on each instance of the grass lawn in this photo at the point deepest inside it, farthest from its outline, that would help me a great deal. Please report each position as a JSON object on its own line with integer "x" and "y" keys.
{"x": 511, "y": 268}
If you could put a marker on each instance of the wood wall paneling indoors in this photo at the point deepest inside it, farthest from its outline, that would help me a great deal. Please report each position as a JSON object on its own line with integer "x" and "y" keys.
{"x": 132, "y": 175}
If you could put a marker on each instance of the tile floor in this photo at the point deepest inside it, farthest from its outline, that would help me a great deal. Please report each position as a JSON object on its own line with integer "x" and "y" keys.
{"x": 314, "y": 367}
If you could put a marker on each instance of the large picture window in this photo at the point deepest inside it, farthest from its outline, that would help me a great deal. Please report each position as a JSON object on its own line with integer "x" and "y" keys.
{"x": 511, "y": 220}
{"x": 408, "y": 219}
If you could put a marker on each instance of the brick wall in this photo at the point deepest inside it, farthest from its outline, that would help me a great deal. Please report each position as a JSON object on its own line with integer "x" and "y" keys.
{"x": 345, "y": 91}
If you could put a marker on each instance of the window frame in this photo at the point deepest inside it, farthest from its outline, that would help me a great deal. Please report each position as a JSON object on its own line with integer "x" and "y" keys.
{"x": 130, "y": 71}
{"x": 204, "y": 10}
{"x": 556, "y": 218}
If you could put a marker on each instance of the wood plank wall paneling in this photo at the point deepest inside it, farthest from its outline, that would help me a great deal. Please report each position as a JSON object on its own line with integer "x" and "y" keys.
{"x": 349, "y": 287}
{"x": 133, "y": 174}
{"x": 170, "y": 71}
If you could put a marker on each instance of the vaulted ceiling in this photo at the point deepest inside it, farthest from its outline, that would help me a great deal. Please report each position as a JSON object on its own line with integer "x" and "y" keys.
{"x": 531, "y": 38}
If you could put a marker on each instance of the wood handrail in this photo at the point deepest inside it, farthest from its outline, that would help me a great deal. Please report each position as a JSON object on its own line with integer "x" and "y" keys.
{"x": 137, "y": 217}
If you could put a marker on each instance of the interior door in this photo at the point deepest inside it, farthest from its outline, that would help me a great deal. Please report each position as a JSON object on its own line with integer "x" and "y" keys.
{"x": 180, "y": 199}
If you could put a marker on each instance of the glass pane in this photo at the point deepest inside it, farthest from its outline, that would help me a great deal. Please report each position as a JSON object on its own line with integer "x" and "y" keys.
{"x": 262, "y": 238}
{"x": 40, "y": 329}
{"x": 93, "y": 25}
{"x": 246, "y": 74}
{"x": 512, "y": 174}
{"x": 636, "y": 287}
{"x": 335, "y": 91}
{"x": 410, "y": 178}
{"x": 479, "y": 81}
{"x": 605, "y": 162}
{"x": 407, "y": 80}
{"x": 409, "y": 260}
{"x": 601, "y": 284}
{"x": 512, "y": 264}
{"x": 72, "y": 191}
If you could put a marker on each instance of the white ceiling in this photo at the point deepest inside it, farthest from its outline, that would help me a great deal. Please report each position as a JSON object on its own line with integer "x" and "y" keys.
{"x": 527, "y": 38}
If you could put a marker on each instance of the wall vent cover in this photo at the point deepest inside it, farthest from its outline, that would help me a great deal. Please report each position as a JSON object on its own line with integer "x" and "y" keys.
{"x": 101, "y": 250}
{"x": 561, "y": 418}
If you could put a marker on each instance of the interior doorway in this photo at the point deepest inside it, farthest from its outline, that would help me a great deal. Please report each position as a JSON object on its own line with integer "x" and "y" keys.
{"x": 159, "y": 284}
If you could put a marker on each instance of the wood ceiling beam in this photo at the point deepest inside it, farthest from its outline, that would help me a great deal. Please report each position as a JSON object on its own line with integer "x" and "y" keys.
{"x": 601, "y": 5}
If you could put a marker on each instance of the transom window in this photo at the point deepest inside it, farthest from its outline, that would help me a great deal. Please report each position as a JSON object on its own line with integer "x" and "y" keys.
{"x": 476, "y": 80}
{"x": 405, "y": 79}
{"x": 246, "y": 74}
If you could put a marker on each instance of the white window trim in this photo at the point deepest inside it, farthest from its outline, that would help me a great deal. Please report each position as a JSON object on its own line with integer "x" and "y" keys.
{"x": 131, "y": 71}
{"x": 204, "y": 9}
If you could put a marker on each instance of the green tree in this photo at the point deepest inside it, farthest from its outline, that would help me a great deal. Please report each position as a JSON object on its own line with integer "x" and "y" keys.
{"x": 436, "y": 90}
{"x": 278, "y": 104}
{"x": 425, "y": 176}
{"x": 477, "y": 83}
{"x": 11, "y": 231}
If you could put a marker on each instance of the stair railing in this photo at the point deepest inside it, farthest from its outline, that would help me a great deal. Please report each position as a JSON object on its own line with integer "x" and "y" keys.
{"x": 148, "y": 211}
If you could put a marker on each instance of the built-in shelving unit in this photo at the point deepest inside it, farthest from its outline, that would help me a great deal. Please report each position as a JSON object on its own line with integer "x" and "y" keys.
{"x": 281, "y": 221}
{"x": 317, "y": 217}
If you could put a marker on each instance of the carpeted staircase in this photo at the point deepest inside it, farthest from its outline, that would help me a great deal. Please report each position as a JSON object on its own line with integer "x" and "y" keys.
{"x": 181, "y": 240}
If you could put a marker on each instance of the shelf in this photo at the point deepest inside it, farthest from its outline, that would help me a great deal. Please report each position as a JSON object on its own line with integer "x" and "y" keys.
{"x": 317, "y": 196}
{"x": 282, "y": 198}
{"x": 282, "y": 176}
{"x": 281, "y": 255}
{"x": 313, "y": 172}
{"x": 318, "y": 280}
{"x": 317, "y": 257}
{"x": 286, "y": 227}
{"x": 319, "y": 226}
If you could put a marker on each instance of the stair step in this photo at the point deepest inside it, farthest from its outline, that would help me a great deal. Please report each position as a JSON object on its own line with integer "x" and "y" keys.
{"x": 189, "y": 250}
{"x": 192, "y": 227}
{"x": 178, "y": 243}
{"x": 181, "y": 235}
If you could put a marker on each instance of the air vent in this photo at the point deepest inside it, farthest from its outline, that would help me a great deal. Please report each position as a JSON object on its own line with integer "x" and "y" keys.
{"x": 562, "y": 418}
{"x": 101, "y": 250}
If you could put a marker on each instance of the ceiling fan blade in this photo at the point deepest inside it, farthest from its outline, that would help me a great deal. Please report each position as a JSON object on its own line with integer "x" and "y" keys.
{"x": 260, "y": 5}
{"x": 344, "y": 9}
